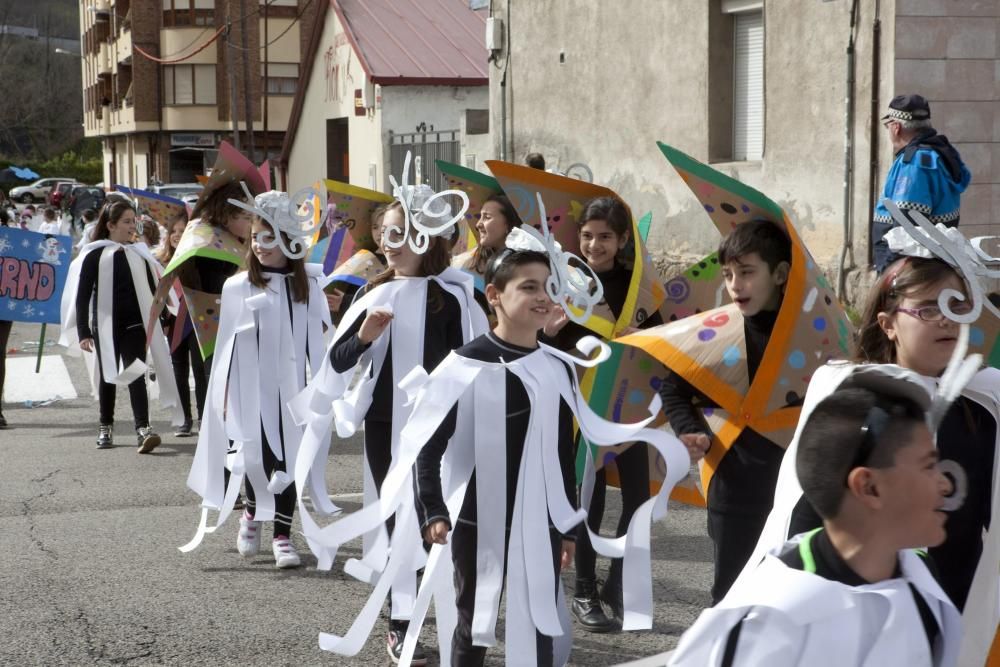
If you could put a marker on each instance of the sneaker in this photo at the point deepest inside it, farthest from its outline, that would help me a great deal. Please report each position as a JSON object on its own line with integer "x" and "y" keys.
{"x": 394, "y": 646}
{"x": 248, "y": 540}
{"x": 104, "y": 438}
{"x": 183, "y": 431}
{"x": 147, "y": 440}
{"x": 3, "y": 422}
{"x": 285, "y": 555}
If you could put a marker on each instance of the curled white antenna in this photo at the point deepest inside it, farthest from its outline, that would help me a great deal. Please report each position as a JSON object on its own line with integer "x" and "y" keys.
{"x": 947, "y": 244}
{"x": 296, "y": 217}
{"x": 421, "y": 220}
{"x": 568, "y": 282}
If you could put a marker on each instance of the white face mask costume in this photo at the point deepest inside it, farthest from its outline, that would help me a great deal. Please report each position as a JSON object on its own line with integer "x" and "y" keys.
{"x": 297, "y": 217}
{"x": 963, "y": 377}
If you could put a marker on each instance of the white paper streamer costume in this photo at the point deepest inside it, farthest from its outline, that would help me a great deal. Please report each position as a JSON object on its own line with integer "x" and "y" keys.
{"x": 335, "y": 400}
{"x": 478, "y": 442}
{"x": 139, "y": 260}
{"x": 982, "y": 608}
{"x": 266, "y": 344}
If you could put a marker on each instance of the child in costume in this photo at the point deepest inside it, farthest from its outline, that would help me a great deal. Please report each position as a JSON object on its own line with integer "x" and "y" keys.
{"x": 604, "y": 229}
{"x": 184, "y": 356}
{"x": 912, "y": 319}
{"x": 755, "y": 258}
{"x": 106, "y": 311}
{"x": 491, "y": 437}
{"x": 413, "y": 314}
{"x": 854, "y": 591}
{"x": 497, "y": 218}
{"x": 271, "y": 335}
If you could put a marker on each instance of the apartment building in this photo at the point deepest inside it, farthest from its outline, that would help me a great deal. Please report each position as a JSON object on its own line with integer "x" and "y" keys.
{"x": 165, "y": 80}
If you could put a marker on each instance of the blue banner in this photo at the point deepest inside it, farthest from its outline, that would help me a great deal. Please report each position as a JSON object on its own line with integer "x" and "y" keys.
{"x": 33, "y": 270}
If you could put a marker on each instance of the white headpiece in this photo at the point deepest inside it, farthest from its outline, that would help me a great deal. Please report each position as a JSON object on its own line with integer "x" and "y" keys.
{"x": 296, "y": 216}
{"x": 419, "y": 215}
{"x": 949, "y": 245}
{"x": 568, "y": 284}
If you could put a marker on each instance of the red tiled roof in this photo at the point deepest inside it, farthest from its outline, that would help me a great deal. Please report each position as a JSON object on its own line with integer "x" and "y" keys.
{"x": 417, "y": 42}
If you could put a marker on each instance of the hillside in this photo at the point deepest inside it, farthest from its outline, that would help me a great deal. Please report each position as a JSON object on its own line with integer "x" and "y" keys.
{"x": 61, "y": 16}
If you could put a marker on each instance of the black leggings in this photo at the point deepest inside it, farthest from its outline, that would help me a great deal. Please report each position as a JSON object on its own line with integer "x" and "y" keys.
{"x": 284, "y": 502}
{"x": 5, "y": 327}
{"x": 186, "y": 359}
{"x": 463, "y": 555}
{"x": 129, "y": 345}
{"x": 633, "y": 475}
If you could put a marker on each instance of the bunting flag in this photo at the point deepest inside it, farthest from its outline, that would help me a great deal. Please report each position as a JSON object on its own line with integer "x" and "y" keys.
{"x": 708, "y": 349}
{"x": 479, "y": 187}
{"x": 348, "y": 227}
{"x": 164, "y": 210}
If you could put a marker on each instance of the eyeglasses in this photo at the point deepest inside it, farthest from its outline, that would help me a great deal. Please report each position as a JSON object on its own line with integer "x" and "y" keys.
{"x": 934, "y": 314}
{"x": 889, "y": 121}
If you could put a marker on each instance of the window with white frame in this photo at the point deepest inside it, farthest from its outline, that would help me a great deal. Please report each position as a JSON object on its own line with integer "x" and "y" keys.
{"x": 280, "y": 78}
{"x": 188, "y": 85}
{"x": 748, "y": 85}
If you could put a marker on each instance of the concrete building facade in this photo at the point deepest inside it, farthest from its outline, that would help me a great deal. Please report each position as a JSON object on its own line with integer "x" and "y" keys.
{"x": 383, "y": 77}
{"x": 163, "y": 79}
{"x": 757, "y": 88}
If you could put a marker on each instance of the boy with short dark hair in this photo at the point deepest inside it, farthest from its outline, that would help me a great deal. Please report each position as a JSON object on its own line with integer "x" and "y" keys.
{"x": 853, "y": 592}
{"x": 755, "y": 260}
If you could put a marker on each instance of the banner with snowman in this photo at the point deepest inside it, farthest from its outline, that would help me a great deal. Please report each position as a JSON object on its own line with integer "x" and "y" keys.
{"x": 33, "y": 270}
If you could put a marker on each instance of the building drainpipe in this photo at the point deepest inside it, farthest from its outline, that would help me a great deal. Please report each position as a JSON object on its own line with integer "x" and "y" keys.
{"x": 846, "y": 249}
{"x": 875, "y": 122}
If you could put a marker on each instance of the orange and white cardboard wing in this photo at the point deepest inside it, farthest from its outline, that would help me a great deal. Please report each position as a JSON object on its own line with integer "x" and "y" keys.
{"x": 708, "y": 349}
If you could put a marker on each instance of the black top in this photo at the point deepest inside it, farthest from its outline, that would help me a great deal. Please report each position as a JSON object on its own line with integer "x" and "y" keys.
{"x": 967, "y": 437}
{"x": 125, "y": 312}
{"x": 427, "y": 479}
{"x": 745, "y": 479}
{"x": 615, "y": 281}
{"x": 442, "y": 334}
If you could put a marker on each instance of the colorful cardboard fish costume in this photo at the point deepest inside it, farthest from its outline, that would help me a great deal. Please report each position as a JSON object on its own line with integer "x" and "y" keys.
{"x": 202, "y": 240}
{"x": 708, "y": 349}
{"x": 348, "y": 226}
{"x": 161, "y": 208}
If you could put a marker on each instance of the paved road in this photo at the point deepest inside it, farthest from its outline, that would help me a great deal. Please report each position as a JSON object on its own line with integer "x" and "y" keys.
{"x": 92, "y": 574}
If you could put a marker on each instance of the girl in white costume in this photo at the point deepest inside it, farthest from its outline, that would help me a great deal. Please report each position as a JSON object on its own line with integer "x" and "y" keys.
{"x": 106, "y": 313}
{"x": 414, "y": 314}
{"x": 491, "y": 435}
{"x": 271, "y": 335}
{"x": 907, "y": 323}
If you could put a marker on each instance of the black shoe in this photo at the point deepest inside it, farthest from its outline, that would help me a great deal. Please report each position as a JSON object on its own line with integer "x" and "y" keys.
{"x": 183, "y": 431}
{"x": 394, "y": 646}
{"x": 104, "y": 437}
{"x": 3, "y": 422}
{"x": 587, "y": 608}
{"x": 611, "y": 592}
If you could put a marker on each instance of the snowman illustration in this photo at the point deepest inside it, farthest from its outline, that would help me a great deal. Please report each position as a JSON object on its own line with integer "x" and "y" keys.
{"x": 50, "y": 250}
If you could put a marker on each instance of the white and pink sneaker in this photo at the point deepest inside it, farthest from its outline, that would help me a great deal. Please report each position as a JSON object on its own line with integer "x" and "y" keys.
{"x": 248, "y": 540}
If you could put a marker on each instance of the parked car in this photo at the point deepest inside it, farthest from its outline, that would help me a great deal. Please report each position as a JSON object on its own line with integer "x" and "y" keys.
{"x": 57, "y": 195}
{"x": 177, "y": 190}
{"x": 37, "y": 191}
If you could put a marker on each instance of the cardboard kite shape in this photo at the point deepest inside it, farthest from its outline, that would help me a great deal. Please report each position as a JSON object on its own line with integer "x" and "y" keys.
{"x": 231, "y": 166}
{"x": 479, "y": 187}
{"x": 161, "y": 208}
{"x": 348, "y": 226}
{"x": 708, "y": 349}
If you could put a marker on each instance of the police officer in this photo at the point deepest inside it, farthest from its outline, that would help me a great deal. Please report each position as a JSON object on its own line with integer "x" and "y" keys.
{"x": 927, "y": 174}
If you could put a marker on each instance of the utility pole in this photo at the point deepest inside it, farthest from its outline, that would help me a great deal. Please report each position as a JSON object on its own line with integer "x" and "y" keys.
{"x": 267, "y": 79}
{"x": 248, "y": 115}
{"x": 231, "y": 71}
